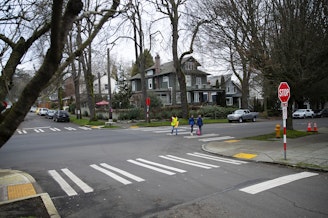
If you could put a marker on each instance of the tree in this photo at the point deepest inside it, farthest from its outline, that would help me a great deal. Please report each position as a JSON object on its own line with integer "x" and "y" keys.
{"x": 60, "y": 23}
{"x": 149, "y": 61}
{"x": 171, "y": 8}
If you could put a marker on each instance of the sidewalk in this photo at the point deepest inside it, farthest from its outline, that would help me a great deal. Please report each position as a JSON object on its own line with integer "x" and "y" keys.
{"x": 309, "y": 152}
{"x": 20, "y": 195}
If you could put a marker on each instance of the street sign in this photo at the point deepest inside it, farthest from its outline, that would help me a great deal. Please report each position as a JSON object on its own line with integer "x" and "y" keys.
{"x": 148, "y": 101}
{"x": 283, "y": 92}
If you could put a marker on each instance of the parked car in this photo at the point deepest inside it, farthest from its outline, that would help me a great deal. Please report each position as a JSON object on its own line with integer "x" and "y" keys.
{"x": 61, "y": 115}
{"x": 242, "y": 115}
{"x": 33, "y": 109}
{"x": 50, "y": 114}
{"x": 42, "y": 111}
{"x": 321, "y": 113}
{"x": 303, "y": 113}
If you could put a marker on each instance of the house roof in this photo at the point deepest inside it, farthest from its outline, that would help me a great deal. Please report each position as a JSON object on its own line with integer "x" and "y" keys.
{"x": 168, "y": 67}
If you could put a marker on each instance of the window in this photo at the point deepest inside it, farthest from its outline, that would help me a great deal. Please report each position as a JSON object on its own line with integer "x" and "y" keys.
{"x": 150, "y": 83}
{"x": 189, "y": 65}
{"x": 134, "y": 86}
{"x": 196, "y": 97}
{"x": 106, "y": 86}
{"x": 198, "y": 80}
{"x": 229, "y": 101}
{"x": 188, "y": 80}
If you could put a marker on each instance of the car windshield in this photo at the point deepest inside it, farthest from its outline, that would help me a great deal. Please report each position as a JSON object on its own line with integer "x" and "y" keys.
{"x": 238, "y": 112}
{"x": 300, "y": 110}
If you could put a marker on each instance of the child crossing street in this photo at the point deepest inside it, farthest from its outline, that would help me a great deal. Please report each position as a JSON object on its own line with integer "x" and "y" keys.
{"x": 191, "y": 123}
{"x": 199, "y": 124}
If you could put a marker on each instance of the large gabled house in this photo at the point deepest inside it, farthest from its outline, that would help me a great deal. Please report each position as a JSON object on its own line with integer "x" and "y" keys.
{"x": 160, "y": 79}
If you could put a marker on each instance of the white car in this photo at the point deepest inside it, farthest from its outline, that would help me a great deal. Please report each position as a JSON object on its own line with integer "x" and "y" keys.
{"x": 303, "y": 113}
{"x": 43, "y": 111}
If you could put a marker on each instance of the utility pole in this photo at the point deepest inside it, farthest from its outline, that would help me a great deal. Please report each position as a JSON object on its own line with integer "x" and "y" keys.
{"x": 109, "y": 87}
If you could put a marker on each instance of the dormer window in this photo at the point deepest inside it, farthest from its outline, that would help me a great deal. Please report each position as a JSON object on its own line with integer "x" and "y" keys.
{"x": 189, "y": 65}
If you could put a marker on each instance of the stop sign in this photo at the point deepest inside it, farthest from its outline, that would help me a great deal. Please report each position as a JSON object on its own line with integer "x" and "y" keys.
{"x": 284, "y": 92}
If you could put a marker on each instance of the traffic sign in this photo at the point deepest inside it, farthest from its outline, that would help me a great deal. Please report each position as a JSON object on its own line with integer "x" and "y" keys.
{"x": 148, "y": 101}
{"x": 283, "y": 92}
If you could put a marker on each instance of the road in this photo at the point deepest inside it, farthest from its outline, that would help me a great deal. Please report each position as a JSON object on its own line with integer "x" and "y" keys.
{"x": 146, "y": 172}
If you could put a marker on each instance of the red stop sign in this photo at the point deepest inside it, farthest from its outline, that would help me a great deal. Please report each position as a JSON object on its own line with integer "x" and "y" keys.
{"x": 284, "y": 92}
{"x": 148, "y": 101}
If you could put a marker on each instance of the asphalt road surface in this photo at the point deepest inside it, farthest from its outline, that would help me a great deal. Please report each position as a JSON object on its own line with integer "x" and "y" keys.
{"x": 146, "y": 172}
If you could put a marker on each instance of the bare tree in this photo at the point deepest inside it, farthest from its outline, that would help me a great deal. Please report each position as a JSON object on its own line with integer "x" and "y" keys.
{"x": 60, "y": 23}
{"x": 172, "y": 9}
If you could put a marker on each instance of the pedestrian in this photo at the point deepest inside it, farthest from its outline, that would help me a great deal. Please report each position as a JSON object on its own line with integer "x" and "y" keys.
{"x": 174, "y": 124}
{"x": 199, "y": 124}
{"x": 191, "y": 123}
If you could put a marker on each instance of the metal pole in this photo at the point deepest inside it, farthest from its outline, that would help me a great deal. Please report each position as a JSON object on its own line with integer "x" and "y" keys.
{"x": 109, "y": 87}
{"x": 285, "y": 138}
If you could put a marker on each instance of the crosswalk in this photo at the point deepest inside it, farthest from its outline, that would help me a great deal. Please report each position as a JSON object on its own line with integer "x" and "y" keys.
{"x": 50, "y": 129}
{"x": 124, "y": 177}
{"x": 163, "y": 165}
{"x": 185, "y": 132}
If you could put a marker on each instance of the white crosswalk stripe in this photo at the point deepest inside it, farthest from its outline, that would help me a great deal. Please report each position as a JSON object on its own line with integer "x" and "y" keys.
{"x": 263, "y": 186}
{"x": 215, "y": 158}
{"x": 55, "y": 129}
{"x": 70, "y": 128}
{"x": 201, "y": 136}
{"x": 189, "y": 162}
{"x": 162, "y": 165}
{"x": 85, "y": 188}
{"x": 65, "y": 185}
{"x": 151, "y": 167}
{"x": 127, "y": 174}
{"x": 183, "y": 130}
{"x": 21, "y": 131}
{"x": 216, "y": 139}
{"x": 62, "y": 183}
{"x": 111, "y": 174}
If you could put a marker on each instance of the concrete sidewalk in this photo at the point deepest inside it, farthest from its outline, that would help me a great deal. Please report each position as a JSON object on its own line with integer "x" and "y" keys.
{"x": 307, "y": 152}
{"x": 20, "y": 196}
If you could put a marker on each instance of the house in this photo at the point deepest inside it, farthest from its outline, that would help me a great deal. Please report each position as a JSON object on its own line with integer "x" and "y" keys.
{"x": 161, "y": 79}
{"x": 232, "y": 89}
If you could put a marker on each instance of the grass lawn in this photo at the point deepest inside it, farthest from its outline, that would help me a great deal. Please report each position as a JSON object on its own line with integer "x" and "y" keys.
{"x": 289, "y": 134}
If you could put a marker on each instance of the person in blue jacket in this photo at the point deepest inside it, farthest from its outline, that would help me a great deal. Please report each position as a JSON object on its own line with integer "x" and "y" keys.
{"x": 200, "y": 123}
{"x": 191, "y": 123}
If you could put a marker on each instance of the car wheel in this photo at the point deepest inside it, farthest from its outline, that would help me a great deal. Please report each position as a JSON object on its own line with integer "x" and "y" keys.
{"x": 240, "y": 120}
{"x": 230, "y": 121}
{"x": 254, "y": 119}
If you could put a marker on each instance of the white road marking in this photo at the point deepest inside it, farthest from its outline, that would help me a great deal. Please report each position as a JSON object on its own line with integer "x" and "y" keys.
{"x": 220, "y": 159}
{"x": 201, "y": 136}
{"x": 85, "y": 188}
{"x": 85, "y": 128}
{"x": 192, "y": 161}
{"x": 179, "y": 133}
{"x": 185, "y": 162}
{"x": 113, "y": 175}
{"x": 254, "y": 189}
{"x": 216, "y": 139}
{"x": 21, "y": 131}
{"x": 55, "y": 129}
{"x": 70, "y": 128}
{"x": 62, "y": 183}
{"x": 162, "y": 165}
{"x": 129, "y": 175}
{"x": 152, "y": 167}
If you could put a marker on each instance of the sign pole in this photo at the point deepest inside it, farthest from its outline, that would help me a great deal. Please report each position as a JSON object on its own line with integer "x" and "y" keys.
{"x": 284, "y": 95}
{"x": 284, "y": 117}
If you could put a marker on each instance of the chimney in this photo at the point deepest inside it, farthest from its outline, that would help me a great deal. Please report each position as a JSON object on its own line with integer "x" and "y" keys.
{"x": 157, "y": 64}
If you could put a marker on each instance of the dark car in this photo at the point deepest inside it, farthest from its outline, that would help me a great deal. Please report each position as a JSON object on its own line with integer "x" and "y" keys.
{"x": 61, "y": 116}
{"x": 321, "y": 113}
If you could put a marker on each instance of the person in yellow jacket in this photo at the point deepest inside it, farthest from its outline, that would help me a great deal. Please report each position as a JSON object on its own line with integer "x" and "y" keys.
{"x": 174, "y": 124}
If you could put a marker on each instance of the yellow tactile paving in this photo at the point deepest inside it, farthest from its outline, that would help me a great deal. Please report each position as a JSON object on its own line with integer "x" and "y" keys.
{"x": 245, "y": 155}
{"x": 20, "y": 191}
{"x": 232, "y": 141}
